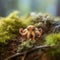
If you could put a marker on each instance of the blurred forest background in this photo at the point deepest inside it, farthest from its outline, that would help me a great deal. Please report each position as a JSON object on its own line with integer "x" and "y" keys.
{"x": 27, "y": 6}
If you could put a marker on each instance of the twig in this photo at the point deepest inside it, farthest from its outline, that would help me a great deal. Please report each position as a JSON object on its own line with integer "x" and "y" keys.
{"x": 23, "y": 58}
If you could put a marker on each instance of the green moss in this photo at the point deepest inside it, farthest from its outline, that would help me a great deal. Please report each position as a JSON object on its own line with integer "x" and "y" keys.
{"x": 9, "y": 26}
{"x": 54, "y": 41}
{"x": 26, "y": 45}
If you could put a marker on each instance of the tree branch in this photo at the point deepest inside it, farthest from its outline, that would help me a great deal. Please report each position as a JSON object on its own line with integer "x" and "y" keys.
{"x": 28, "y": 51}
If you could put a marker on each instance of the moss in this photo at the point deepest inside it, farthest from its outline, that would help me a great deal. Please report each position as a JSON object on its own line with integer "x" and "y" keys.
{"x": 26, "y": 45}
{"x": 9, "y": 26}
{"x": 54, "y": 41}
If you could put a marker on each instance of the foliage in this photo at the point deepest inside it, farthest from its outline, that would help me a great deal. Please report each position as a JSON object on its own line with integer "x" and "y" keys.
{"x": 42, "y": 19}
{"x": 27, "y": 20}
{"x": 54, "y": 41}
{"x": 25, "y": 45}
{"x": 9, "y": 26}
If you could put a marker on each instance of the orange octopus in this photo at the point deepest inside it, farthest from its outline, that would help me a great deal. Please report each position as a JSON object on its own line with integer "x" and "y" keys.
{"x": 31, "y": 31}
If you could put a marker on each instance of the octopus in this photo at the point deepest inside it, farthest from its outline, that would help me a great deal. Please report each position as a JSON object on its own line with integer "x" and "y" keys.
{"x": 31, "y": 32}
